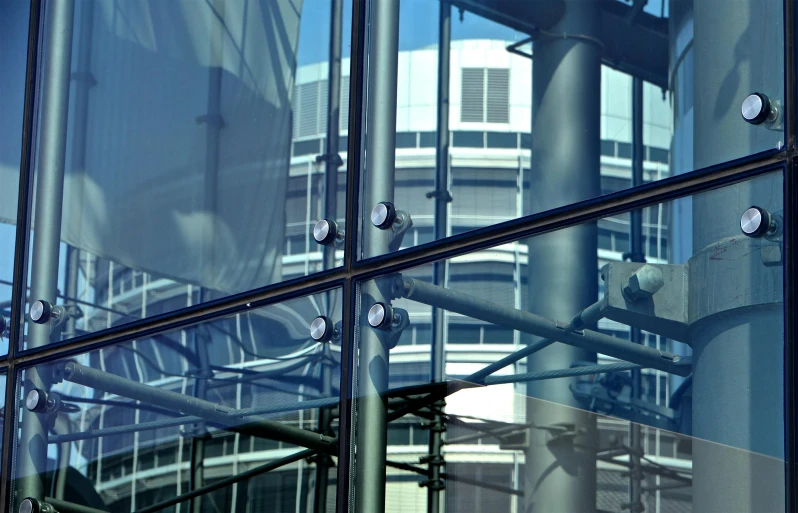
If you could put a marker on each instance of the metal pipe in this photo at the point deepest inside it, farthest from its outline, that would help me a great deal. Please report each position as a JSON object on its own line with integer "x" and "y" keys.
{"x": 212, "y": 412}
{"x": 533, "y": 324}
{"x": 636, "y": 254}
{"x": 372, "y": 376}
{"x": 332, "y": 162}
{"x": 62, "y": 426}
{"x": 562, "y": 265}
{"x": 324, "y": 461}
{"x": 442, "y": 197}
{"x": 49, "y": 196}
{"x": 738, "y": 351}
{"x": 222, "y": 483}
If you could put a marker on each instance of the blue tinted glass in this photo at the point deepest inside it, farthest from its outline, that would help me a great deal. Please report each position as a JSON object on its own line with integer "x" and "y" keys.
{"x": 134, "y": 425}
{"x": 182, "y": 152}
{"x": 613, "y": 347}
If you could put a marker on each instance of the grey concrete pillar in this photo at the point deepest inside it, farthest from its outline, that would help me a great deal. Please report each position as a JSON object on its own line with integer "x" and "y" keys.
{"x": 562, "y": 268}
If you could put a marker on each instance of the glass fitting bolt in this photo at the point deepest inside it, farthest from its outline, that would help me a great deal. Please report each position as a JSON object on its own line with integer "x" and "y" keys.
{"x": 36, "y": 400}
{"x": 321, "y": 329}
{"x": 40, "y": 311}
{"x": 325, "y": 232}
{"x": 757, "y": 108}
{"x": 383, "y": 215}
{"x": 757, "y": 222}
{"x": 380, "y": 316}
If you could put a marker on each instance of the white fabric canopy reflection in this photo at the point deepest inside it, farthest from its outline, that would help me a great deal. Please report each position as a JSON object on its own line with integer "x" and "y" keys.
{"x": 146, "y": 195}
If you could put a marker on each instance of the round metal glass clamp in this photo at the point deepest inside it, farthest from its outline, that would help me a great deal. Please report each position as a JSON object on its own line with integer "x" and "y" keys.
{"x": 380, "y": 316}
{"x": 325, "y": 231}
{"x": 31, "y": 505}
{"x": 321, "y": 329}
{"x": 36, "y": 400}
{"x": 383, "y": 215}
{"x": 40, "y": 311}
{"x": 756, "y": 108}
{"x": 756, "y": 222}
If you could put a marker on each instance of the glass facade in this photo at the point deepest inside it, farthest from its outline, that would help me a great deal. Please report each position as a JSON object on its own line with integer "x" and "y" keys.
{"x": 397, "y": 256}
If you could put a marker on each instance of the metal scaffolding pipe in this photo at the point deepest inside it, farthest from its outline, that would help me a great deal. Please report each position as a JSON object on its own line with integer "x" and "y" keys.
{"x": 212, "y": 412}
{"x": 533, "y": 324}
{"x": 636, "y": 254}
{"x": 441, "y": 196}
{"x": 47, "y": 230}
{"x": 332, "y": 162}
{"x": 372, "y": 350}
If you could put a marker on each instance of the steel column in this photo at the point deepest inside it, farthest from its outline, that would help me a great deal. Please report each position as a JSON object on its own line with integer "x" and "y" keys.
{"x": 442, "y": 197}
{"x": 59, "y": 16}
{"x": 738, "y": 383}
{"x": 636, "y": 254}
{"x": 566, "y": 97}
{"x": 372, "y": 375}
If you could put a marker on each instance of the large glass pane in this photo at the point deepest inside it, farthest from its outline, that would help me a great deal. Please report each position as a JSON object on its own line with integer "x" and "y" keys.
{"x": 183, "y": 154}
{"x": 613, "y": 87}
{"x": 13, "y": 61}
{"x": 559, "y": 374}
{"x": 137, "y": 425}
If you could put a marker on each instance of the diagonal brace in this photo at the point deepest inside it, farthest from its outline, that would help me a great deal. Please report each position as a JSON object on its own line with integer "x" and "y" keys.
{"x": 538, "y": 325}
{"x": 212, "y": 412}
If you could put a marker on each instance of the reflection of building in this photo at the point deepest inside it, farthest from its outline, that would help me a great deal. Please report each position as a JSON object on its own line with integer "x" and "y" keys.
{"x": 490, "y": 161}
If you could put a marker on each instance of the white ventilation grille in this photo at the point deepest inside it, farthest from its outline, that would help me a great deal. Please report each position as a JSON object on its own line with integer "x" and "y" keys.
{"x": 344, "y": 119}
{"x": 498, "y": 96}
{"x": 485, "y": 95}
{"x": 472, "y": 100}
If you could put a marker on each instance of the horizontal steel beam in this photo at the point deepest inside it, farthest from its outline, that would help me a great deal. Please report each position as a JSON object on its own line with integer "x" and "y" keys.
{"x": 70, "y": 507}
{"x": 533, "y": 324}
{"x": 206, "y": 410}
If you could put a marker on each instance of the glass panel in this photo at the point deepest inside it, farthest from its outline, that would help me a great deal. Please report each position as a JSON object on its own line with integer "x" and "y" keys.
{"x": 13, "y": 61}
{"x": 127, "y": 426}
{"x": 183, "y": 151}
{"x": 638, "y": 352}
{"x": 573, "y": 105}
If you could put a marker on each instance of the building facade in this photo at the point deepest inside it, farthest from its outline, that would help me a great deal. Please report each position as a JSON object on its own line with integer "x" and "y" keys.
{"x": 542, "y": 270}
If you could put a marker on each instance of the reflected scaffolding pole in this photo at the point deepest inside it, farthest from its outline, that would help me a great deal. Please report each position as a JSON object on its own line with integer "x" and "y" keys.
{"x": 46, "y": 242}
{"x": 332, "y": 162}
{"x": 636, "y": 254}
{"x": 442, "y": 198}
{"x": 372, "y": 374}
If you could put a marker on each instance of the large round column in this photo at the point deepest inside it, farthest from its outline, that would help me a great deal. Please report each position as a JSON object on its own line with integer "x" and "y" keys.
{"x": 562, "y": 267}
{"x": 735, "y": 300}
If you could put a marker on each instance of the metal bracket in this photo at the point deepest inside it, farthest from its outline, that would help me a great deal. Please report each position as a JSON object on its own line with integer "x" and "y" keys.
{"x": 335, "y": 159}
{"x": 440, "y": 194}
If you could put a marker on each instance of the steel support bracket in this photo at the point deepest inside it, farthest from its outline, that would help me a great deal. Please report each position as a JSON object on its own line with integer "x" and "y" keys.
{"x": 663, "y": 311}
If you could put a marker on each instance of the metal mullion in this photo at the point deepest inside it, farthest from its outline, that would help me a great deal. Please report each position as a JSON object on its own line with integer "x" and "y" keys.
{"x": 20, "y": 250}
{"x": 623, "y": 201}
{"x": 620, "y": 202}
{"x": 790, "y": 258}
{"x": 182, "y": 318}
{"x": 356, "y": 112}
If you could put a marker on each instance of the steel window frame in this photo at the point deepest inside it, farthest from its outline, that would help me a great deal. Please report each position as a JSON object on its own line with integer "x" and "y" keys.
{"x": 355, "y": 272}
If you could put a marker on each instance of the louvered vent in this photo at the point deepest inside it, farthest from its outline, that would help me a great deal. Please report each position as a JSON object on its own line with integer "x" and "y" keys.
{"x": 485, "y": 95}
{"x": 472, "y": 101}
{"x": 498, "y": 97}
{"x": 344, "y": 119}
